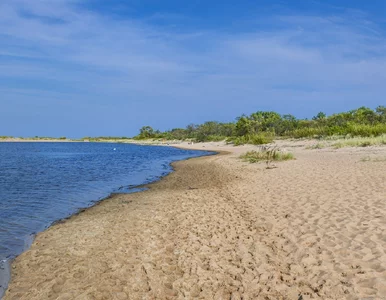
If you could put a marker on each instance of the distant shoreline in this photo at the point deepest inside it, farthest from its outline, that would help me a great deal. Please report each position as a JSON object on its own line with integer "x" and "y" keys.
{"x": 118, "y": 141}
{"x": 37, "y": 140}
{"x": 96, "y": 140}
{"x": 334, "y": 142}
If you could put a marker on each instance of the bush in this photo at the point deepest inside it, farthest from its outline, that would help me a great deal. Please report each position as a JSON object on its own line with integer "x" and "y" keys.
{"x": 366, "y": 130}
{"x": 254, "y": 139}
{"x": 260, "y": 127}
{"x": 215, "y": 138}
{"x": 308, "y": 132}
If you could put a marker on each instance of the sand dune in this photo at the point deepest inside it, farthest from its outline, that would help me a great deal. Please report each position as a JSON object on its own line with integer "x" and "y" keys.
{"x": 219, "y": 228}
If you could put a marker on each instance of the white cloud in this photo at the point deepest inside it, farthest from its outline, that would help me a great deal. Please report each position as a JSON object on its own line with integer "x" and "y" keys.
{"x": 58, "y": 45}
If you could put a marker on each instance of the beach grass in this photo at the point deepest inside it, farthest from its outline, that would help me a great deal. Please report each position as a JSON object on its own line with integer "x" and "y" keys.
{"x": 360, "y": 142}
{"x": 316, "y": 146}
{"x": 338, "y": 142}
{"x": 266, "y": 154}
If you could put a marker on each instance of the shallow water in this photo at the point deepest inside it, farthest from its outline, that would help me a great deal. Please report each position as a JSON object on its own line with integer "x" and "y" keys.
{"x": 44, "y": 182}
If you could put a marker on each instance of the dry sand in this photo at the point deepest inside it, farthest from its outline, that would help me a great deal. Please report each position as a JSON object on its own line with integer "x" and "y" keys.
{"x": 219, "y": 228}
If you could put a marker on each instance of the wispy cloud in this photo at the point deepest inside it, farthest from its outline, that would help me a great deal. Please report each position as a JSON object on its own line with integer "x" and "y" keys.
{"x": 58, "y": 47}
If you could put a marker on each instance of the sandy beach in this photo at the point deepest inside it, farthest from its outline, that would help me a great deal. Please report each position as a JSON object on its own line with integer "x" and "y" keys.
{"x": 221, "y": 228}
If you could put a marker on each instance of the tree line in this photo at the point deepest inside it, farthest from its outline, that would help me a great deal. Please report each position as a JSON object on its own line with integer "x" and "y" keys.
{"x": 263, "y": 126}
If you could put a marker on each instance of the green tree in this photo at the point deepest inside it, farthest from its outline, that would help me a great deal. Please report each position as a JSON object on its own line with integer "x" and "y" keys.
{"x": 244, "y": 126}
{"x": 204, "y": 131}
{"x": 178, "y": 134}
{"x": 287, "y": 124}
{"x": 319, "y": 116}
{"x": 265, "y": 120}
{"x": 146, "y": 132}
{"x": 364, "y": 115}
{"x": 381, "y": 112}
{"x": 191, "y": 130}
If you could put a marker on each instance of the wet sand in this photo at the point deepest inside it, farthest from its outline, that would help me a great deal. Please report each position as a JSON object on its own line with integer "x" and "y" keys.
{"x": 5, "y": 275}
{"x": 220, "y": 228}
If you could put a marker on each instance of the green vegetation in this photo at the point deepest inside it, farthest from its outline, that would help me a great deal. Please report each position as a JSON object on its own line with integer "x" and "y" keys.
{"x": 359, "y": 127}
{"x": 360, "y": 142}
{"x": 316, "y": 146}
{"x": 349, "y": 141}
{"x": 266, "y": 154}
{"x": 262, "y": 127}
{"x": 255, "y": 139}
{"x": 38, "y": 138}
{"x": 104, "y": 139}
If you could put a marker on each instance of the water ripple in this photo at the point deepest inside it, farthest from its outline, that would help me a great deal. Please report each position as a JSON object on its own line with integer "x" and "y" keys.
{"x": 41, "y": 183}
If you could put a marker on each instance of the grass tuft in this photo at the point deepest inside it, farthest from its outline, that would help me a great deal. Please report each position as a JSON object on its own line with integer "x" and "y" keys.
{"x": 316, "y": 146}
{"x": 267, "y": 154}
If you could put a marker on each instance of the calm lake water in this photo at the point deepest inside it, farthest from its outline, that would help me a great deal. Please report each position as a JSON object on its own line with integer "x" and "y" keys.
{"x": 41, "y": 183}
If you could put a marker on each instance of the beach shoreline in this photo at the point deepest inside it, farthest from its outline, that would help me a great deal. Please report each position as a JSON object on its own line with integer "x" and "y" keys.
{"x": 5, "y": 275}
{"x": 189, "y": 235}
{"x": 6, "y": 264}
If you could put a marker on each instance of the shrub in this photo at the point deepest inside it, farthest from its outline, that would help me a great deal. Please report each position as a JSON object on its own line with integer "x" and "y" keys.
{"x": 254, "y": 139}
{"x": 215, "y": 138}
{"x": 366, "y": 129}
{"x": 308, "y": 132}
{"x": 260, "y": 127}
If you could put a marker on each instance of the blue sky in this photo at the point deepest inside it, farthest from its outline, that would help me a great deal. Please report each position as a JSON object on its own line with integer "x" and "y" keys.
{"x": 91, "y": 67}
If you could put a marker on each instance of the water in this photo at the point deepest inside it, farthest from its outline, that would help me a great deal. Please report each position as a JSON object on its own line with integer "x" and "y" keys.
{"x": 41, "y": 183}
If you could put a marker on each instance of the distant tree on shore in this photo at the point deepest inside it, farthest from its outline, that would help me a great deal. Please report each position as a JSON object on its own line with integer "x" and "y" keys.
{"x": 319, "y": 116}
{"x": 146, "y": 132}
{"x": 262, "y": 126}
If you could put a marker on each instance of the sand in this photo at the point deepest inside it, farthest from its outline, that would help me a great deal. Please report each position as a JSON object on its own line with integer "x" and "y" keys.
{"x": 220, "y": 228}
